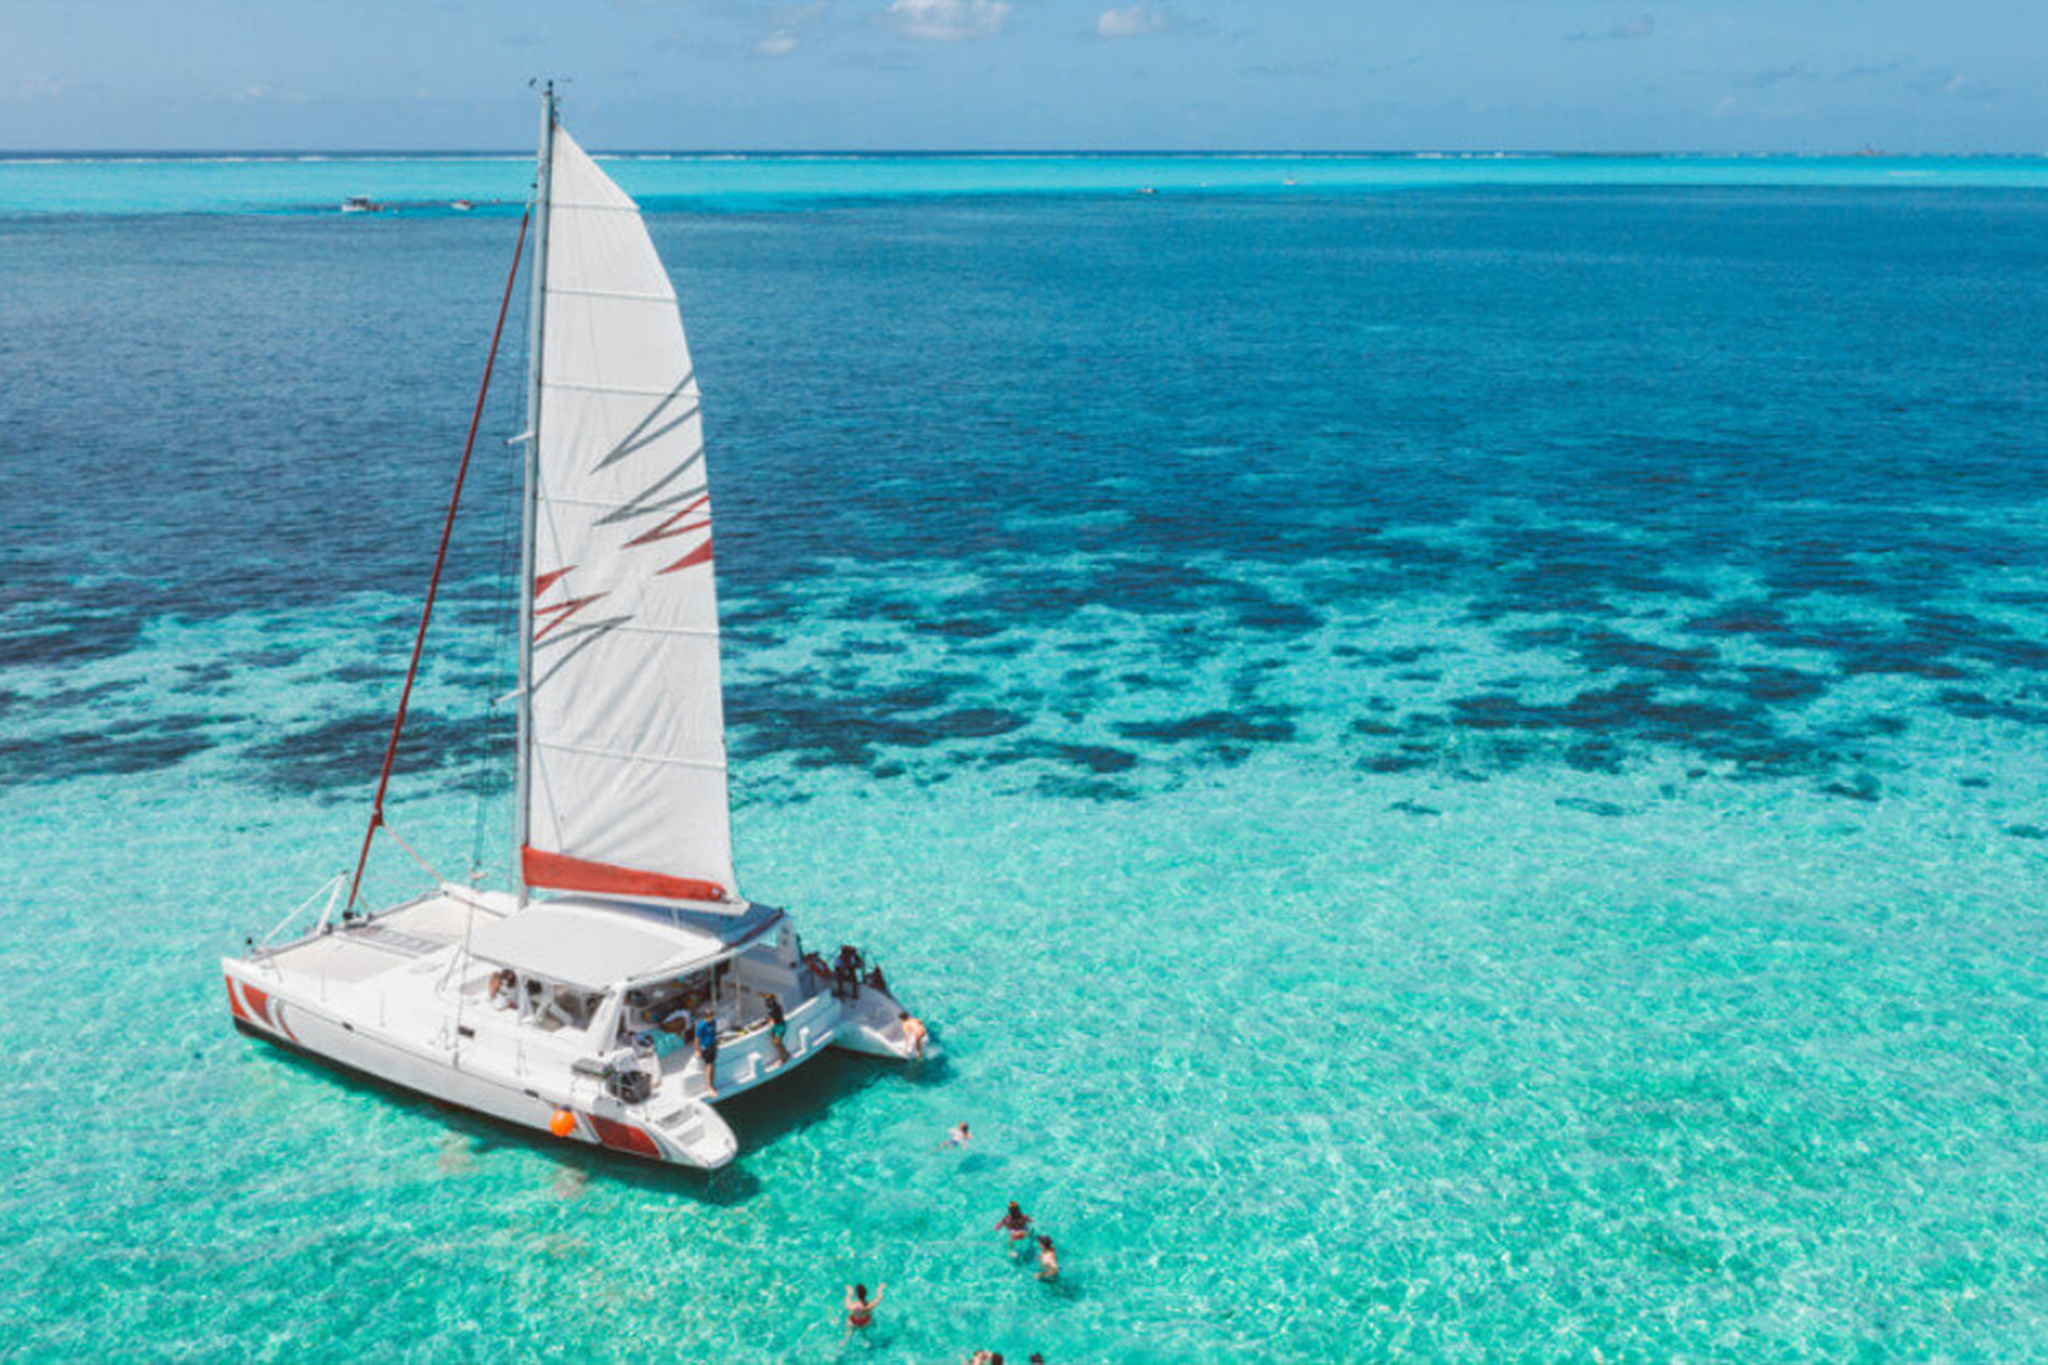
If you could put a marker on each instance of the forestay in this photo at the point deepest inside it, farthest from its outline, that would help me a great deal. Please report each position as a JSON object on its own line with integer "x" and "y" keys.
{"x": 626, "y": 786}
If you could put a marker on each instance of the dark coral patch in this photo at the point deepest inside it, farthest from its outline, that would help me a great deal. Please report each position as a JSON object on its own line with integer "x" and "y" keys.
{"x": 822, "y": 730}
{"x": 1261, "y": 725}
{"x": 1606, "y": 649}
{"x": 1603, "y": 719}
{"x": 278, "y": 656}
{"x": 1085, "y": 789}
{"x": 1591, "y": 807}
{"x": 1977, "y": 706}
{"x": 136, "y": 746}
{"x": 961, "y": 627}
{"x": 1861, "y": 787}
{"x": 346, "y": 753}
{"x": 76, "y": 640}
{"x": 1741, "y": 618}
{"x": 1098, "y": 759}
{"x": 1772, "y": 686}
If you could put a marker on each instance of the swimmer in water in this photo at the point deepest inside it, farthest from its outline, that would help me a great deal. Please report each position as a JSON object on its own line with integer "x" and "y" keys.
{"x": 1016, "y": 1222}
{"x": 860, "y": 1309}
{"x": 1048, "y": 1259}
{"x": 956, "y": 1138}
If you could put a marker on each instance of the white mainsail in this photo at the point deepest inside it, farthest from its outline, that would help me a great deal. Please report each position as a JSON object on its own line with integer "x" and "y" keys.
{"x": 625, "y": 743}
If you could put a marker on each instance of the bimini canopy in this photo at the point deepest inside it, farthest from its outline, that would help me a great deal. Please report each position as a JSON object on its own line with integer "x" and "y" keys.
{"x": 596, "y": 944}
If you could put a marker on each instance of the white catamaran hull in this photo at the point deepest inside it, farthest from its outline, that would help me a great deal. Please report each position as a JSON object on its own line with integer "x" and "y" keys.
{"x": 399, "y": 997}
{"x": 437, "y": 1075}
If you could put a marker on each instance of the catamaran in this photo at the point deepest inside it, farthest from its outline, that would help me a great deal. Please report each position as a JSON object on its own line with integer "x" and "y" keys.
{"x": 623, "y": 984}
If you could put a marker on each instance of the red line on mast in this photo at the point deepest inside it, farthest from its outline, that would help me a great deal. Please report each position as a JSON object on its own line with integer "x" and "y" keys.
{"x": 419, "y": 641}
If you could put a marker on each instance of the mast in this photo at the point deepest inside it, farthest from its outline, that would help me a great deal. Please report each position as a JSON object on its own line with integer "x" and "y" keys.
{"x": 529, "y": 486}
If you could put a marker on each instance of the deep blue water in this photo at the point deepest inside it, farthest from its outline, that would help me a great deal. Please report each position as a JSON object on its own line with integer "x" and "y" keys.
{"x": 1462, "y": 771}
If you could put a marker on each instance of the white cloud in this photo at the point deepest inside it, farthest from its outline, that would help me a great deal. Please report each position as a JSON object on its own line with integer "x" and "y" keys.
{"x": 1130, "y": 21}
{"x": 787, "y": 25}
{"x": 947, "y": 21}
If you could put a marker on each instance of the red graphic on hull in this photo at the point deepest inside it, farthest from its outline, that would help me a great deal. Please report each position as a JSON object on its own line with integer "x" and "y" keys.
{"x": 253, "y": 1006}
{"x": 623, "y": 1137}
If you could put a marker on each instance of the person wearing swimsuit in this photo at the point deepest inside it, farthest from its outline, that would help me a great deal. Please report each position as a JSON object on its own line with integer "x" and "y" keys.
{"x": 777, "y": 1026}
{"x": 860, "y": 1309}
{"x": 915, "y": 1034}
{"x": 1048, "y": 1260}
{"x": 1017, "y": 1223}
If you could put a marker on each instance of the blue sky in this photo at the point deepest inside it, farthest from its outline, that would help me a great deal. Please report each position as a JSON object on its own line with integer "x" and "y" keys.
{"x": 1794, "y": 75}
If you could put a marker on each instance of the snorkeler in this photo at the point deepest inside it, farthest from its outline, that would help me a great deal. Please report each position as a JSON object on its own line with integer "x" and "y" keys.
{"x": 1016, "y": 1222}
{"x": 1048, "y": 1260}
{"x": 860, "y": 1309}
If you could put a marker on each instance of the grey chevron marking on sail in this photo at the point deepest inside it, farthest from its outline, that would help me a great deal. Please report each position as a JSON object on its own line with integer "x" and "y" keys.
{"x": 639, "y": 436}
{"x": 584, "y": 636}
{"x": 645, "y": 502}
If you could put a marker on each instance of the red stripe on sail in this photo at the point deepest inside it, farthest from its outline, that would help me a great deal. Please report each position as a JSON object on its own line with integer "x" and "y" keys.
{"x": 561, "y": 872}
{"x": 548, "y": 580}
{"x": 623, "y": 1137}
{"x": 669, "y": 528}
{"x": 700, "y": 555}
{"x": 560, "y": 612}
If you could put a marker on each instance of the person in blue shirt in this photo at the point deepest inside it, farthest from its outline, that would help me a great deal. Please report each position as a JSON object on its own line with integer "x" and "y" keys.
{"x": 707, "y": 1052}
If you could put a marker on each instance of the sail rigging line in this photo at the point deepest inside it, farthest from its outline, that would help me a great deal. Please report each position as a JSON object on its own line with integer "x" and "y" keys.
{"x": 399, "y": 839}
{"x": 419, "y": 642}
{"x": 508, "y": 607}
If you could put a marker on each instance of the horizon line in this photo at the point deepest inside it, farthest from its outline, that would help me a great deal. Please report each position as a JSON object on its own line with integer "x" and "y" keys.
{"x": 92, "y": 153}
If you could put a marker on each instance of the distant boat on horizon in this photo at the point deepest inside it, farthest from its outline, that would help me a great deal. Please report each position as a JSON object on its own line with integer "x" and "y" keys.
{"x": 357, "y": 203}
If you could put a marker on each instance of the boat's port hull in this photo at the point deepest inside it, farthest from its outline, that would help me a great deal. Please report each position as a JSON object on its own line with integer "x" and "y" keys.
{"x": 262, "y": 1011}
{"x": 335, "y": 1064}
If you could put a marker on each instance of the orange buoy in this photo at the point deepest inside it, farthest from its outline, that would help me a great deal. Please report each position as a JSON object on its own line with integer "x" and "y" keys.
{"x": 562, "y": 1123}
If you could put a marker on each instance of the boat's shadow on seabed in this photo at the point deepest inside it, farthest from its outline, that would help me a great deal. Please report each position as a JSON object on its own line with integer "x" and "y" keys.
{"x": 759, "y": 1119}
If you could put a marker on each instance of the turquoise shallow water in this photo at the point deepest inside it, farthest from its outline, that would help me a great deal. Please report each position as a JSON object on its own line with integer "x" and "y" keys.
{"x": 1460, "y": 774}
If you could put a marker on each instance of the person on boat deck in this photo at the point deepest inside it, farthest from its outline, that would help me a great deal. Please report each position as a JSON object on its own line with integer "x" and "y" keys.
{"x": 913, "y": 1033}
{"x": 777, "y": 1026}
{"x": 1016, "y": 1222}
{"x": 707, "y": 1052}
{"x": 820, "y": 969}
{"x": 504, "y": 989}
{"x": 860, "y": 1309}
{"x": 846, "y": 972}
{"x": 1048, "y": 1260}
